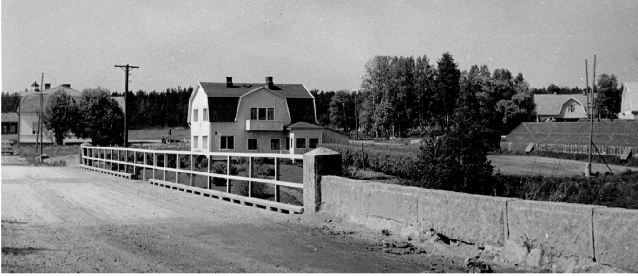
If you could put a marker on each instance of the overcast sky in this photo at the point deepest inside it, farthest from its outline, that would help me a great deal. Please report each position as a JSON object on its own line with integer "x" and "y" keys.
{"x": 321, "y": 44}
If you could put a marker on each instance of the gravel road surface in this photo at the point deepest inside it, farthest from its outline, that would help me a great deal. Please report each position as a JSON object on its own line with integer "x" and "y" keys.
{"x": 65, "y": 219}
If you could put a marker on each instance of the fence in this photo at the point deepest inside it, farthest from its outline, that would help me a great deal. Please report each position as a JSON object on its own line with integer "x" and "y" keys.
{"x": 265, "y": 180}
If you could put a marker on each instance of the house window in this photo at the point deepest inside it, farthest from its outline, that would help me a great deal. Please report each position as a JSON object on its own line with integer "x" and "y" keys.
{"x": 262, "y": 114}
{"x": 35, "y": 127}
{"x": 252, "y": 144}
{"x": 227, "y": 142}
{"x": 195, "y": 115}
{"x": 205, "y": 114}
{"x": 14, "y": 129}
{"x": 313, "y": 142}
{"x": 195, "y": 142}
{"x": 4, "y": 129}
{"x": 274, "y": 144}
{"x": 288, "y": 141}
{"x": 204, "y": 141}
{"x": 571, "y": 108}
{"x": 300, "y": 143}
{"x": 271, "y": 114}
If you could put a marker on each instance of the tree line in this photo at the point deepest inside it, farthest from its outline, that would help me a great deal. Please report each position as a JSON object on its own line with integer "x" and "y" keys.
{"x": 155, "y": 109}
{"x": 402, "y": 96}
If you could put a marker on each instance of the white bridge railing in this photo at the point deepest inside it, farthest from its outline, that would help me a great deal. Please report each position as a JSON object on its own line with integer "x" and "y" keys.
{"x": 271, "y": 177}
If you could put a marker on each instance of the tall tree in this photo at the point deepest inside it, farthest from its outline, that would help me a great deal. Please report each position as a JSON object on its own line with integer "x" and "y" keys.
{"x": 101, "y": 118}
{"x": 447, "y": 83}
{"x": 61, "y": 116}
{"x": 610, "y": 96}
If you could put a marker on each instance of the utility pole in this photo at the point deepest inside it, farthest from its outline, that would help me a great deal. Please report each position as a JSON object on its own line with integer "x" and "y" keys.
{"x": 591, "y": 123}
{"x": 127, "y": 68}
{"x": 590, "y": 113}
{"x": 41, "y": 114}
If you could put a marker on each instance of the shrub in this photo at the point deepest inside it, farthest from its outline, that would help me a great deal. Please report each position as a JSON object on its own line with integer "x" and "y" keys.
{"x": 455, "y": 159}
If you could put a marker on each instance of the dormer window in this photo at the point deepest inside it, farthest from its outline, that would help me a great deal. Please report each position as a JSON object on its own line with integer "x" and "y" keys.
{"x": 571, "y": 108}
{"x": 262, "y": 114}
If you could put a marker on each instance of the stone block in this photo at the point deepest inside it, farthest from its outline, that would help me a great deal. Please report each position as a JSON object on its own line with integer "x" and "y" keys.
{"x": 616, "y": 237}
{"x": 342, "y": 196}
{"x": 556, "y": 228}
{"x": 385, "y": 201}
{"x": 471, "y": 218}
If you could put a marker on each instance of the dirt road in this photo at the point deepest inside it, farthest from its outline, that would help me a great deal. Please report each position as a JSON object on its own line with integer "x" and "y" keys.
{"x": 65, "y": 219}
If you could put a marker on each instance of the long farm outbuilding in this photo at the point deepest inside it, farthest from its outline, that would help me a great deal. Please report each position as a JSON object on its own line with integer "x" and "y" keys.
{"x": 618, "y": 138}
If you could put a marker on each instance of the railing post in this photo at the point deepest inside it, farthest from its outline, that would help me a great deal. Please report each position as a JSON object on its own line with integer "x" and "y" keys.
{"x": 165, "y": 165}
{"x": 144, "y": 168}
{"x": 228, "y": 173}
{"x": 316, "y": 163}
{"x": 190, "y": 179}
{"x": 250, "y": 175}
{"x": 177, "y": 161}
{"x": 208, "y": 160}
{"x": 276, "y": 178}
{"x": 154, "y": 164}
{"x": 134, "y": 162}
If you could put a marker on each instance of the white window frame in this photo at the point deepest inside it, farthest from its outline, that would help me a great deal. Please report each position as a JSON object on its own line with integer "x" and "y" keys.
{"x": 278, "y": 139}
{"x": 256, "y": 118}
{"x": 297, "y": 143}
{"x": 256, "y": 144}
{"x": 310, "y": 147}
{"x": 195, "y": 142}
{"x": 221, "y": 139}
{"x": 205, "y": 142}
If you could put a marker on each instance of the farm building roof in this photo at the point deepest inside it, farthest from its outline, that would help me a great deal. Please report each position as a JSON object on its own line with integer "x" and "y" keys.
{"x": 616, "y": 133}
{"x": 550, "y": 104}
{"x": 216, "y": 89}
{"x": 9, "y": 117}
{"x": 303, "y": 125}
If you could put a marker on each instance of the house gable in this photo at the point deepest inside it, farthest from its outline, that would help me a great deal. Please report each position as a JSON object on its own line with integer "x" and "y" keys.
{"x": 572, "y": 108}
{"x": 629, "y": 101}
{"x": 263, "y": 98}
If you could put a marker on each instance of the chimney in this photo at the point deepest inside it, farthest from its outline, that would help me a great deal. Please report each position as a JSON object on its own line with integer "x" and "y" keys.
{"x": 47, "y": 86}
{"x": 269, "y": 83}
{"x": 229, "y": 82}
{"x": 66, "y": 85}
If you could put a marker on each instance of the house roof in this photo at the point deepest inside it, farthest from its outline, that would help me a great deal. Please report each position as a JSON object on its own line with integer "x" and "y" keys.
{"x": 303, "y": 125}
{"x": 216, "y": 89}
{"x": 9, "y": 117}
{"x": 223, "y": 100}
{"x": 629, "y": 97}
{"x": 617, "y": 133}
{"x": 550, "y": 104}
{"x": 31, "y": 101}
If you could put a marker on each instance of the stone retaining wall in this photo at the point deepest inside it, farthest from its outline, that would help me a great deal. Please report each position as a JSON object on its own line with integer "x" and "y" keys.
{"x": 607, "y": 235}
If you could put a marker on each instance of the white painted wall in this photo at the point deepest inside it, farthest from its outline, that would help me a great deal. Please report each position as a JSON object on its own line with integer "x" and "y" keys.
{"x": 200, "y": 127}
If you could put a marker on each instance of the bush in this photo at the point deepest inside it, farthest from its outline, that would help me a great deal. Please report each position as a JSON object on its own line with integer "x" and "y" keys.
{"x": 396, "y": 164}
{"x": 455, "y": 159}
{"x": 608, "y": 190}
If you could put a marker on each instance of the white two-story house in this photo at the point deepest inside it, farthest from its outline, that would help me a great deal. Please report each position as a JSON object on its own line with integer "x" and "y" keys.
{"x": 255, "y": 117}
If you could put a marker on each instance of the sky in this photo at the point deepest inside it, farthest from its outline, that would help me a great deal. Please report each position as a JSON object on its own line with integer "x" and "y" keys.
{"x": 321, "y": 44}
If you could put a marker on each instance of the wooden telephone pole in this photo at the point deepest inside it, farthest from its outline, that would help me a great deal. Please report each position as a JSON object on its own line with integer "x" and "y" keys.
{"x": 127, "y": 68}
